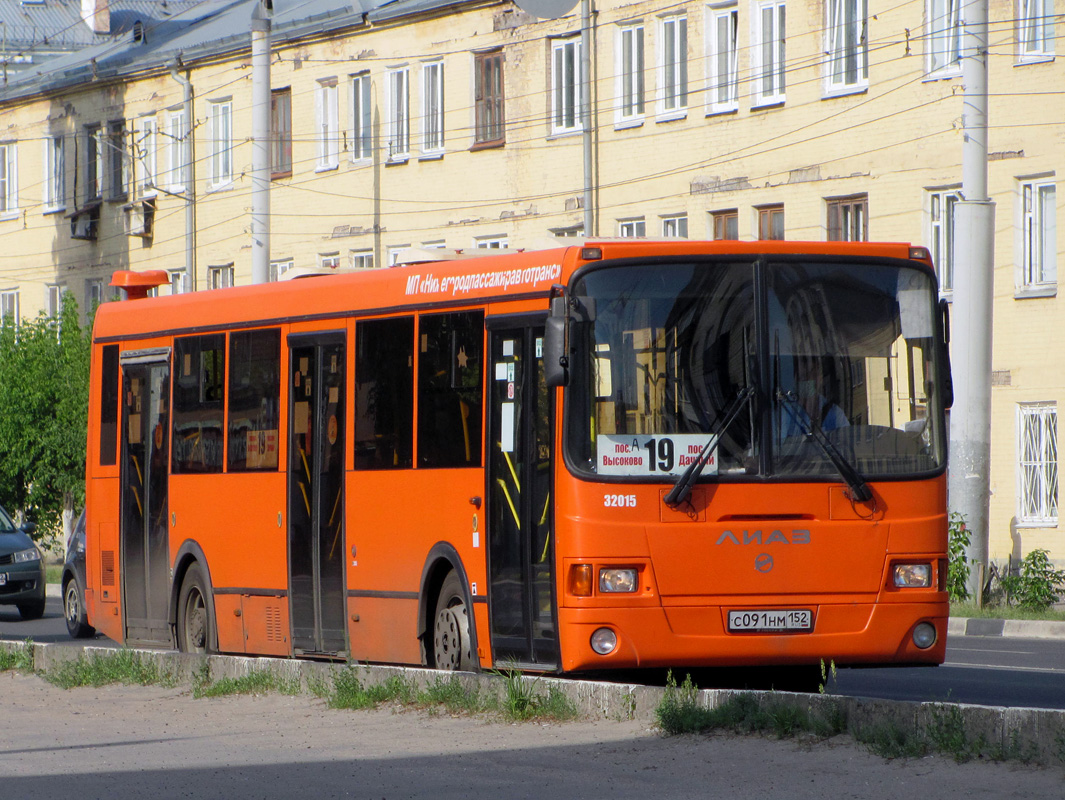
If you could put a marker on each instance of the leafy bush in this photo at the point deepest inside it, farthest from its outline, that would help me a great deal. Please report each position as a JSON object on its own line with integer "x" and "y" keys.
{"x": 958, "y": 567}
{"x": 1038, "y": 584}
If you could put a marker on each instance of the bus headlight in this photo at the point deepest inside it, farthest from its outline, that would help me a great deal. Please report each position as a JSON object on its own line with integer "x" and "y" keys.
{"x": 604, "y": 641}
{"x": 913, "y": 576}
{"x": 617, "y": 580}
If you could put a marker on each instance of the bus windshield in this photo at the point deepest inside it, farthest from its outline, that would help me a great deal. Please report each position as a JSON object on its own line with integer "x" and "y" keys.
{"x": 840, "y": 356}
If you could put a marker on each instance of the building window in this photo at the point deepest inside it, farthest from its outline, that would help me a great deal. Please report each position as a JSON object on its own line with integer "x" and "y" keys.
{"x": 361, "y": 118}
{"x": 673, "y": 65}
{"x": 398, "y": 114}
{"x": 279, "y": 267}
{"x": 179, "y": 281}
{"x": 722, "y": 61}
{"x": 489, "y": 116}
{"x": 675, "y": 227}
{"x": 571, "y": 231}
{"x": 8, "y": 178}
{"x": 768, "y": 52}
{"x": 94, "y": 162}
{"x": 328, "y": 119}
{"x": 944, "y": 36}
{"x": 117, "y": 160}
{"x": 630, "y": 228}
{"x": 329, "y": 260}
{"x": 55, "y": 175}
{"x": 55, "y": 300}
{"x": 848, "y": 218}
{"x": 361, "y": 259}
{"x": 1039, "y": 234}
{"x": 9, "y": 307}
{"x": 630, "y": 74}
{"x": 145, "y": 145}
{"x": 395, "y": 253}
{"x": 94, "y": 294}
{"x": 1035, "y": 30}
{"x": 220, "y": 277}
{"x": 566, "y": 86}
{"x": 490, "y": 243}
{"x": 726, "y": 224}
{"x": 177, "y": 130}
{"x": 847, "y": 45}
{"x": 771, "y": 222}
{"x": 941, "y": 235}
{"x": 1037, "y": 445}
{"x": 281, "y": 133}
{"x": 220, "y": 134}
{"x": 433, "y": 108}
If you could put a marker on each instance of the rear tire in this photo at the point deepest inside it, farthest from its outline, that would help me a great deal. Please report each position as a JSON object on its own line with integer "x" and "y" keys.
{"x": 451, "y": 627}
{"x": 194, "y": 624}
{"x": 74, "y": 610}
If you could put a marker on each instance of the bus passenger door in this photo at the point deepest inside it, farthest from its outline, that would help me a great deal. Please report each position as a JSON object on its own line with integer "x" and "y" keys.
{"x": 145, "y": 475}
{"x": 520, "y": 545}
{"x": 315, "y": 493}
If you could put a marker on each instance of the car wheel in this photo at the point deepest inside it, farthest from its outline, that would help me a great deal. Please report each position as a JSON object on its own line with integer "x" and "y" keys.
{"x": 34, "y": 609}
{"x": 74, "y": 611}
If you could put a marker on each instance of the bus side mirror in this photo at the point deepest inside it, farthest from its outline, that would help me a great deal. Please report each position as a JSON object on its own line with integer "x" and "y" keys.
{"x": 556, "y": 357}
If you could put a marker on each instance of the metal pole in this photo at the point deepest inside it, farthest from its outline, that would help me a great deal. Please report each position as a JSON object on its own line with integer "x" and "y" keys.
{"x": 969, "y": 484}
{"x": 260, "y": 144}
{"x": 188, "y": 156}
{"x": 586, "y": 112}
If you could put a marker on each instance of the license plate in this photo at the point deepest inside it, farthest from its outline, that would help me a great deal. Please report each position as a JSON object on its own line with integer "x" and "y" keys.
{"x": 771, "y": 620}
{"x": 3, "y": 578}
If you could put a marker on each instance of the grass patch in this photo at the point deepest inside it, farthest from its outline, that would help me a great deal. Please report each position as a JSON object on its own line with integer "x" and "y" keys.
{"x": 1004, "y": 612}
{"x": 19, "y": 657}
{"x": 522, "y": 700}
{"x": 255, "y": 682}
{"x": 100, "y": 669}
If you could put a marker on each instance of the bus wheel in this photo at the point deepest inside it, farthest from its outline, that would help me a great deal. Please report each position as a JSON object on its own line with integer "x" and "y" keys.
{"x": 193, "y": 622}
{"x": 451, "y": 627}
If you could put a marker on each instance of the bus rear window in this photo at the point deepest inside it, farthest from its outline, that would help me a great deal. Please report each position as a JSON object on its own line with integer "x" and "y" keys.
{"x": 254, "y": 398}
{"x": 199, "y": 366}
{"x": 384, "y": 393}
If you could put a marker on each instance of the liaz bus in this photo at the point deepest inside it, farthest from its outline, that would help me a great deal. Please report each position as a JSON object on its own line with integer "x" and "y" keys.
{"x": 614, "y": 454}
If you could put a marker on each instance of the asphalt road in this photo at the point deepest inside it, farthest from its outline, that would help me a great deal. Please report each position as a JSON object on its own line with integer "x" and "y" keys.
{"x": 983, "y": 670}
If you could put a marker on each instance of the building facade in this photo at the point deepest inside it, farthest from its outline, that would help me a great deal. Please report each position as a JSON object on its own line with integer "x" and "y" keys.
{"x": 421, "y": 123}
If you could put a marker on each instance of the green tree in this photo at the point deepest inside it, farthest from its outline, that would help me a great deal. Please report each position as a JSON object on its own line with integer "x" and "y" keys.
{"x": 44, "y": 390}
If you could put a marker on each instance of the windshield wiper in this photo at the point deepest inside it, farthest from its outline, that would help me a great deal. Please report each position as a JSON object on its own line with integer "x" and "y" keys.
{"x": 860, "y": 490}
{"x": 683, "y": 487}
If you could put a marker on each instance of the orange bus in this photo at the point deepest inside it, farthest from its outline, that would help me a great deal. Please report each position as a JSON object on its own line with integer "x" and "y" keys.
{"x": 614, "y": 454}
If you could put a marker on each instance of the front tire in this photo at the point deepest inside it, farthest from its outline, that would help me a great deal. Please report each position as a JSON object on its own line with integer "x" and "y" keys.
{"x": 451, "y": 627}
{"x": 74, "y": 611}
{"x": 194, "y": 628}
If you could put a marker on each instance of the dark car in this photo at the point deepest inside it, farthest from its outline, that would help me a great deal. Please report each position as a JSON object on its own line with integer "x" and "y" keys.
{"x": 74, "y": 583}
{"x": 21, "y": 568}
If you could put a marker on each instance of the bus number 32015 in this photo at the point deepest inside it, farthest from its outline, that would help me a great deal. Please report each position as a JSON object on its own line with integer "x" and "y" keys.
{"x": 619, "y": 500}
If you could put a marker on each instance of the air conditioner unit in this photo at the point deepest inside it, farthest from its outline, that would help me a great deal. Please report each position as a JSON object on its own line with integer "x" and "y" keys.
{"x": 83, "y": 226}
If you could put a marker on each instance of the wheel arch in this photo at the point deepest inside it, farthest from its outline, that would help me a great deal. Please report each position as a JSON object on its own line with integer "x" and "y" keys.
{"x": 188, "y": 554}
{"x": 442, "y": 559}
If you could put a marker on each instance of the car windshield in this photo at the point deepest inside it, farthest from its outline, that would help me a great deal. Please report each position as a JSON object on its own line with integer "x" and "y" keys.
{"x": 834, "y": 347}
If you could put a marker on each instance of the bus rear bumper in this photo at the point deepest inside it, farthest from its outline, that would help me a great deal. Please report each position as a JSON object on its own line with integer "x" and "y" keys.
{"x": 698, "y": 636}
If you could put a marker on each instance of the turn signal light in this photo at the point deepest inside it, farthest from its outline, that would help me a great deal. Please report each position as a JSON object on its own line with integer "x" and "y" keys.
{"x": 580, "y": 580}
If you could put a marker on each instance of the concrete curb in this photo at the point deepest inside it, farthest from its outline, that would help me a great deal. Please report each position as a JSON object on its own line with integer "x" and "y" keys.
{"x": 1014, "y": 628}
{"x": 1030, "y": 734}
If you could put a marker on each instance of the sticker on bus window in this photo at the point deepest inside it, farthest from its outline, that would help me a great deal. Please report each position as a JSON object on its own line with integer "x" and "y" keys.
{"x": 506, "y": 427}
{"x": 649, "y": 455}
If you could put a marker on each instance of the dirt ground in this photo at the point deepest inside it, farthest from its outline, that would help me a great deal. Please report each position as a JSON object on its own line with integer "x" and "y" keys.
{"x": 155, "y": 743}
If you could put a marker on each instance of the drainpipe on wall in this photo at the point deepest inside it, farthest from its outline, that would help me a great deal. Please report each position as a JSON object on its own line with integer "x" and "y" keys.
{"x": 190, "y": 179}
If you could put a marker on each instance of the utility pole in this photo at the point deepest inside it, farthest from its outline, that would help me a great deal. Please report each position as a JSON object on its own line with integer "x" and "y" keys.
{"x": 969, "y": 485}
{"x": 260, "y": 141}
{"x": 586, "y": 114}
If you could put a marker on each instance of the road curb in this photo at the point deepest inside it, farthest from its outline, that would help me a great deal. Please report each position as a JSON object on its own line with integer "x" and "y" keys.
{"x": 1030, "y": 734}
{"x": 1013, "y": 628}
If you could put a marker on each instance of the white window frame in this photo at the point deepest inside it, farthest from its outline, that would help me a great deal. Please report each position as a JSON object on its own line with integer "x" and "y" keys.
{"x": 675, "y": 226}
{"x": 398, "y": 108}
{"x": 394, "y": 252}
{"x": 220, "y": 136}
{"x": 943, "y": 37}
{"x": 722, "y": 62}
{"x": 942, "y": 208}
{"x": 361, "y": 259}
{"x": 634, "y": 227}
{"x": 8, "y": 180}
{"x": 279, "y": 267}
{"x": 55, "y": 300}
{"x": 1038, "y": 235}
{"x": 361, "y": 118}
{"x": 179, "y": 280}
{"x": 567, "y": 88}
{"x": 630, "y": 53}
{"x": 94, "y": 161}
{"x": 433, "y": 108}
{"x": 327, "y": 118}
{"x": 846, "y": 46}
{"x": 145, "y": 155}
{"x": 9, "y": 307}
{"x": 329, "y": 260}
{"x": 176, "y": 131}
{"x": 673, "y": 67}
{"x": 768, "y": 64}
{"x": 220, "y": 276}
{"x": 1037, "y": 465}
{"x": 1035, "y": 30}
{"x": 491, "y": 243}
{"x": 55, "y": 175}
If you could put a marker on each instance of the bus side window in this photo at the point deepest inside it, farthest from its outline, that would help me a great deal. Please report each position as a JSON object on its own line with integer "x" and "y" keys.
{"x": 450, "y": 373}
{"x": 109, "y": 395}
{"x": 199, "y": 392}
{"x": 254, "y": 399}
{"x": 384, "y": 393}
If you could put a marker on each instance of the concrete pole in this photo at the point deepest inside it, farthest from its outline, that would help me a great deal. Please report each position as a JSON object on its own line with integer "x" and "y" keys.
{"x": 260, "y": 143}
{"x": 586, "y": 113}
{"x": 969, "y": 484}
{"x": 188, "y": 157}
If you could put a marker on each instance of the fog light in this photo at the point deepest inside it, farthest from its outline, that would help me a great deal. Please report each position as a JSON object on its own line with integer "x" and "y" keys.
{"x": 604, "y": 641}
{"x": 913, "y": 576}
{"x": 924, "y": 635}
{"x": 617, "y": 580}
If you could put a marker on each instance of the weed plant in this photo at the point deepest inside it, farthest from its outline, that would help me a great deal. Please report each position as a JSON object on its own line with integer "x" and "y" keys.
{"x": 256, "y": 682}
{"x": 100, "y": 669}
{"x": 19, "y": 657}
